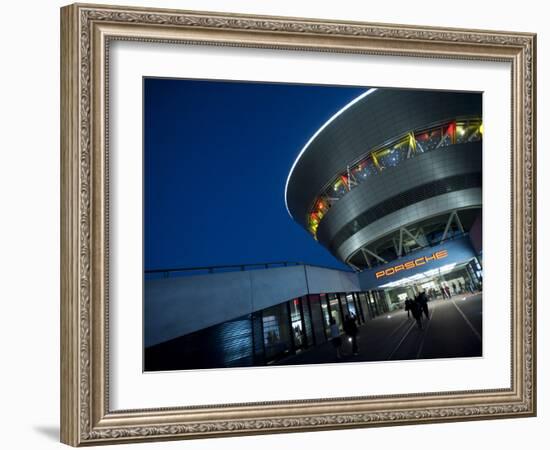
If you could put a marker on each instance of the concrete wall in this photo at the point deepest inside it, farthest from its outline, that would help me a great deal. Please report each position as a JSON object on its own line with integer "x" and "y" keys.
{"x": 181, "y": 305}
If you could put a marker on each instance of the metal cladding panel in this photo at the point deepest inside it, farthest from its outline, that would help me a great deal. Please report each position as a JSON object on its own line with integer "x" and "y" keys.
{"x": 405, "y": 200}
{"x": 229, "y": 344}
{"x": 272, "y": 286}
{"x": 322, "y": 280}
{"x": 427, "y": 168}
{"x": 378, "y": 118}
{"x": 182, "y": 305}
{"x": 467, "y": 198}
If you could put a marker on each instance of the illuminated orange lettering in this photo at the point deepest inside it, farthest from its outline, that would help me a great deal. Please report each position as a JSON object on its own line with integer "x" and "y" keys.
{"x": 412, "y": 264}
{"x": 430, "y": 258}
{"x": 416, "y": 263}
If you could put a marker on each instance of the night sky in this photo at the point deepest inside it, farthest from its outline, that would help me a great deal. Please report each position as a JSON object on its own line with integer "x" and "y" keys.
{"x": 217, "y": 155}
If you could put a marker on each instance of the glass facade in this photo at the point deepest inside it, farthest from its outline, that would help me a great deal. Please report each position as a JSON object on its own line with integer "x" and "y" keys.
{"x": 276, "y": 328}
{"x": 304, "y": 322}
{"x": 391, "y": 155}
{"x": 336, "y": 310}
{"x": 297, "y": 324}
{"x": 326, "y": 313}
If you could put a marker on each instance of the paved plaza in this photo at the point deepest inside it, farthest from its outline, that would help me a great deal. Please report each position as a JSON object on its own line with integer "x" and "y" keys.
{"x": 454, "y": 330}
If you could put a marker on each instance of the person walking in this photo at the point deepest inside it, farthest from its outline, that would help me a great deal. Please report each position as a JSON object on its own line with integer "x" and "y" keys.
{"x": 335, "y": 337}
{"x": 351, "y": 330}
{"x": 423, "y": 302}
{"x": 416, "y": 310}
{"x": 408, "y": 302}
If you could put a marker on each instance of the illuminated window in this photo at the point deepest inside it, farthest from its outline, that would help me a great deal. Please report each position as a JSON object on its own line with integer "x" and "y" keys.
{"x": 393, "y": 155}
{"x": 428, "y": 140}
{"x": 363, "y": 170}
{"x": 313, "y": 223}
{"x": 339, "y": 187}
{"x": 468, "y": 131}
{"x": 408, "y": 146}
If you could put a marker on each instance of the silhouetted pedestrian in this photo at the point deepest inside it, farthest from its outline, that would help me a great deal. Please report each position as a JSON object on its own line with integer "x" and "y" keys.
{"x": 416, "y": 311}
{"x": 350, "y": 328}
{"x": 423, "y": 302}
{"x": 335, "y": 337}
{"x": 408, "y": 302}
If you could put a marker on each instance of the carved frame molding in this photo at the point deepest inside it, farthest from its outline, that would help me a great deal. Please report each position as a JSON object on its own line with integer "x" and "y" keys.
{"x": 86, "y": 32}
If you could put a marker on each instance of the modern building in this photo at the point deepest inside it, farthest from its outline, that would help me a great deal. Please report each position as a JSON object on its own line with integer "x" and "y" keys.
{"x": 393, "y": 174}
{"x": 391, "y": 185}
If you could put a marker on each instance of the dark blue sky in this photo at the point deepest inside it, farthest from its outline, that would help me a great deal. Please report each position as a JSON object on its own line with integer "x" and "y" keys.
{"x": 217, "y": 155}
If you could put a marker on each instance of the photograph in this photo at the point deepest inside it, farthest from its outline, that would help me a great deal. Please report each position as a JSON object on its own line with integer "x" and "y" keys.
{"x": 296, "y": 224}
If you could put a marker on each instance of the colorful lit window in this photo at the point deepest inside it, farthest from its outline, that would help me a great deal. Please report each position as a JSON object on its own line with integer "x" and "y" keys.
{"x": 408, "y": 146}
{"x": 339, "y": 187}
{"x": 468, "y": 131}
{"x": 313, "y": 223}
{"x": 393, "y": 155}
{"x": 363, "y": 170}
{"x": 428, "y": 140}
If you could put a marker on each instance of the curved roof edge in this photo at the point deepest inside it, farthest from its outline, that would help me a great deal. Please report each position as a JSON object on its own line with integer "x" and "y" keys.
{"x": 312, "y": 138}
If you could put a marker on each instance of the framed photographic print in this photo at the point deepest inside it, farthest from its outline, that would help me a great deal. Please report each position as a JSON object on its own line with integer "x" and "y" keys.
{"x": 276, "y": 224}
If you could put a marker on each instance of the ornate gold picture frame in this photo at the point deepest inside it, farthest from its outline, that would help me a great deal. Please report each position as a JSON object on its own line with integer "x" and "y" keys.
{"x": 87, "y": 31}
